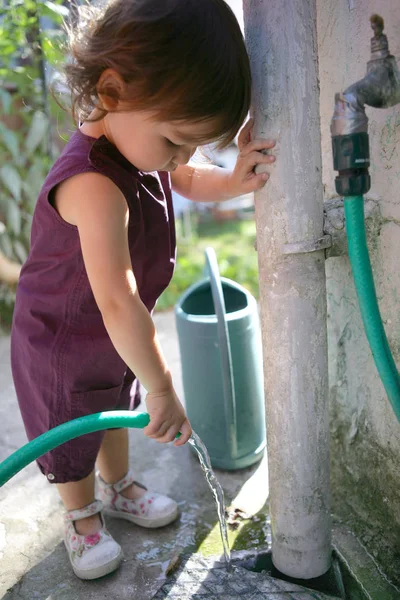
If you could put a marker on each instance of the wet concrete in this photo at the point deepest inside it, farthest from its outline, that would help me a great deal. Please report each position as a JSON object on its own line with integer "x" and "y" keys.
{"x": 201, "y": 579}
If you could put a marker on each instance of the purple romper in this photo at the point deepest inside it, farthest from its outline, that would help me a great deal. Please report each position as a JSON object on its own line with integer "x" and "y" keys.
{"x": 64, "y": 364}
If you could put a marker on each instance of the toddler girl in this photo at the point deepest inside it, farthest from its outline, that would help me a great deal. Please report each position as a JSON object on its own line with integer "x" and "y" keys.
{"x": 150, "y": 81}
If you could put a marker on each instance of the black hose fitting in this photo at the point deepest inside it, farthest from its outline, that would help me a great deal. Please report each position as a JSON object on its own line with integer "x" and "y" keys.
{"x": 351, "y": 159}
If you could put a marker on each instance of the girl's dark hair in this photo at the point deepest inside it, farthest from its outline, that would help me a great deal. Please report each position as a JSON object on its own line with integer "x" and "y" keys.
{"x": 184, "y": 59}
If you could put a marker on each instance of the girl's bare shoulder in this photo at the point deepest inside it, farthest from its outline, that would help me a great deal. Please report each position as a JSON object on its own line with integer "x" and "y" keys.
{"x": 85, "y": 191}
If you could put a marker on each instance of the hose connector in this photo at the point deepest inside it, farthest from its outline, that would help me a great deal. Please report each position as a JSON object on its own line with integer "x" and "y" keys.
{"x": 350, "y": 146}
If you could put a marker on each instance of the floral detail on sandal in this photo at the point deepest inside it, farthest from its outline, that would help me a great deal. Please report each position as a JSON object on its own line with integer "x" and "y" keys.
{"x": 92, "y": 540}
{"x": 80, "y": 543}
{"x": 80, "y": 547}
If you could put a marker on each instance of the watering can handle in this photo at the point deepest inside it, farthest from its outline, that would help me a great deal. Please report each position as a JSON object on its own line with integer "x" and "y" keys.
{"x": 224, "y": 347}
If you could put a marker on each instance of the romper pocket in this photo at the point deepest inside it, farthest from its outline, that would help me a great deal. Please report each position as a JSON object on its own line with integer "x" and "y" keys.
{"x": 94, "y": 401}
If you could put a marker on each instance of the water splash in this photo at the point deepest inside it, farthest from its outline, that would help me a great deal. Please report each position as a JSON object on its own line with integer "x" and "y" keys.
{"x": 216, "y": 489}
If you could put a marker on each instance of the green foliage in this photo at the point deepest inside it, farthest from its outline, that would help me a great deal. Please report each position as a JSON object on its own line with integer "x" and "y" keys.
{"x": 24, "y": 127}
{"x": 25, "y": 142}
{"x": 23, "y": 43}
{"x": 233, "y": 243}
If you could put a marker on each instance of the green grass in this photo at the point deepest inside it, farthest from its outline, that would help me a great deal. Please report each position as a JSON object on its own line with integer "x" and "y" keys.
{"x": 233, "y": 242}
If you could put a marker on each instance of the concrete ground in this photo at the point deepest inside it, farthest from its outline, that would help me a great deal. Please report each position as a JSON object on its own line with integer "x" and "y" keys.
{"x": 33, "y": 559}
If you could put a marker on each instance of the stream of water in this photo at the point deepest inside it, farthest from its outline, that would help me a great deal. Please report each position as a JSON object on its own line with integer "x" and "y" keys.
{"x": 216, "y": 489}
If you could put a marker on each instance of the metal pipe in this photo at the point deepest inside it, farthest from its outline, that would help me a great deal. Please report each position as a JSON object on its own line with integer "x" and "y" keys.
{"x": 282, "y": 42}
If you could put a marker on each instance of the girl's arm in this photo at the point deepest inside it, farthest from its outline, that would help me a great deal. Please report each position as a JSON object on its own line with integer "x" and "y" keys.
{"x": 98, "y": 208}
{"x": 208, "y": 183}
{"x": 201, "y": 183}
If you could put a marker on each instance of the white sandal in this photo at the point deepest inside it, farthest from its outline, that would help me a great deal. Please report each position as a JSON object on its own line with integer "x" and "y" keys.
{"x": 151, "y": 510}
{"x": 95, "y": 555}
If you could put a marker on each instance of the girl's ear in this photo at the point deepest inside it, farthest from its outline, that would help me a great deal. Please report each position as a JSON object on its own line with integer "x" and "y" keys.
{"x": 110, "y": 89}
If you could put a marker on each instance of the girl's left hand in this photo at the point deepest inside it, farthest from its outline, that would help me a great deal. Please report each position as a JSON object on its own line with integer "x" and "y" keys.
{"x": 243, "y": 179}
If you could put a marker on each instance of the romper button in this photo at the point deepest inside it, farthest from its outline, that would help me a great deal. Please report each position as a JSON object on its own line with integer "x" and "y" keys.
{"x": 50, "y": 477}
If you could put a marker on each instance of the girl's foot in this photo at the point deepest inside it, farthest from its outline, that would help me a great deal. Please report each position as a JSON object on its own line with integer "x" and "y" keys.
{"x": 89, "y": 525}
{"x": 136, "y": 504}
{"x": 95, "y": 554}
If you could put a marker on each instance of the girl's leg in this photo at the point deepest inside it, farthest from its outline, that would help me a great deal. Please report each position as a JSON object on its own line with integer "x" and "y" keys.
{"x": 78, "y": 494}
{"x": 113, "y": 461}
{"x": 91, "y": 549}
{"x": 142, "y": 507}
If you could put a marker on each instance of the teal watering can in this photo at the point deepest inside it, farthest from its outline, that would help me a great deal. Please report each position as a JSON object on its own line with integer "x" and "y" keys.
{"x": 221, "y": 354}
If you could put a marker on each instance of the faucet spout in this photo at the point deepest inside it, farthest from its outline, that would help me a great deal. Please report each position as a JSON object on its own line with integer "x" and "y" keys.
{"x": 380, "y": 88}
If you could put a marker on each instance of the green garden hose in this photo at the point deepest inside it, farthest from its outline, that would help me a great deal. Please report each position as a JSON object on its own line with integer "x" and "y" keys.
{"x": 65, "y": 432}
{"x": 364, "y": 283}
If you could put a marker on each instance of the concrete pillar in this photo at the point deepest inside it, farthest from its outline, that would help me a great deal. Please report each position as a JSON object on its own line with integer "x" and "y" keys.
{"x": 282, "y": 42}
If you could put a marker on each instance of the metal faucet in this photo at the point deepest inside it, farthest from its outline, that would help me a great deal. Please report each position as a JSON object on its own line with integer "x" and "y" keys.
{"x": 379, "y": 88}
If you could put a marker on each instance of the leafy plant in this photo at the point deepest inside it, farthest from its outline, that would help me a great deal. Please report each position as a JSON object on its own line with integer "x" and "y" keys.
{"x": 30, "y": 41}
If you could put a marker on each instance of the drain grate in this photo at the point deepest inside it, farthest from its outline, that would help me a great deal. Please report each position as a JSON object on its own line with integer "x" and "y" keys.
{"x": 201, "y": 579}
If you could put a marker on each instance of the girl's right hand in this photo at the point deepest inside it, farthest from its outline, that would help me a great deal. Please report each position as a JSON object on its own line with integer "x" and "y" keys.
{"x": 167, "y": 418}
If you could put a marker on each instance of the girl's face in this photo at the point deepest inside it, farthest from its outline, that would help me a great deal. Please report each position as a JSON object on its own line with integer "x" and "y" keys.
{"x": 153, "y": 145}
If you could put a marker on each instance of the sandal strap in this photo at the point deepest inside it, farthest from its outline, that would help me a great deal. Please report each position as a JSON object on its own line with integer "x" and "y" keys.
{"x": 87, "y": 511}
{"x": 126, "y": 481}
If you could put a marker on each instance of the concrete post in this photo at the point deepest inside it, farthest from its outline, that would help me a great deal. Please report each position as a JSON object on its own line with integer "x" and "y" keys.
{"x": 282, "y": 42}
